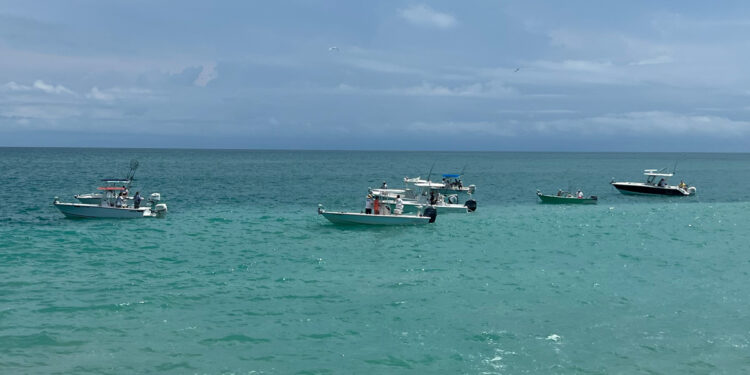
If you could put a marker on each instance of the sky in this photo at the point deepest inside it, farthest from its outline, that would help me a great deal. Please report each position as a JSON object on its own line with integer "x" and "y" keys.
{"x": 377, "y": 75}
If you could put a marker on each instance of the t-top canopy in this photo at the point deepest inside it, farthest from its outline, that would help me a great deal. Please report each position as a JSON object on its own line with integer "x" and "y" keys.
{"x": 110, "y": 188}
{"x": 451, "y": 175}
{"x": 654, "y": 172}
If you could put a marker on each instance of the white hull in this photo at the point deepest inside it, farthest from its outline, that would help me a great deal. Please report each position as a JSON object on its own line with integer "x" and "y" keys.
{"x": 441, "y": 208}
{"x": 359, "y": 218}
{"x": 80, "y": 210}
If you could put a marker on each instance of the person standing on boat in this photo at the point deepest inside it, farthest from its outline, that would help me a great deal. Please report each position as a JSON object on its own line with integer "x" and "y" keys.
{"x": 118, "y": 201}
{"x": 662, "y": 183}
{"x": 579, "y": 194}
{"x": 137, "y": 199}
{"x": 368, "y": 204}
{"x": 399, "y": 205}
{"x": 125, "y": 192}
{"x": 384, "y": 186}
{"x": 376, "y": 206}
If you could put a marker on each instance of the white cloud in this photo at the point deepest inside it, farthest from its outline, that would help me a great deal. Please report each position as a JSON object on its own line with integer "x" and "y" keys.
{"x": 379, "y": 66}
{"x": 206, "y": 75}
{"x": 40, "y": 112}
{"x": 489, "y": 89}
{"x": 117, "y": 93}
{"x": 654, "y": 61}
{"x": 461, "y": 127}
{"x": 52, "y": 89}
{"x": 12, "y": 86}
{"x": 95, "y": 93}
{"x": 38, "y": 85}
{"x": 648, "y": 123}
{"x": 422, "y": 15}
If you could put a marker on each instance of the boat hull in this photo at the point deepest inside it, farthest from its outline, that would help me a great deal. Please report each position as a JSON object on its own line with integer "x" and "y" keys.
{"x": 554, "y": 199}
{"x": 79, "y": 210}
{"x": 365, "y": 219}
{"x": 635, "y": 188}
{"x": 441, "y": 209}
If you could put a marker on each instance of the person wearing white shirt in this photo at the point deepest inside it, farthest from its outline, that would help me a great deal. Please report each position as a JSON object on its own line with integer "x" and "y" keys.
{"x": 399, "y": 205}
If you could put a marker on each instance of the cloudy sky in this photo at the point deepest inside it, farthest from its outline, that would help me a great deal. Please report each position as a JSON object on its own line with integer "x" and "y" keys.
{"x": 405, "y": 75}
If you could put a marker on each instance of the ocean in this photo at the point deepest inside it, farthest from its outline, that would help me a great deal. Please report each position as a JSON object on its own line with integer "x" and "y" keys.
{"x": 243, "y": 276}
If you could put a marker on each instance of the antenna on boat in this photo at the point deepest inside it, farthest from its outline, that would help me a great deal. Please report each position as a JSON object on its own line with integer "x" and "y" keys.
{"x": 674, "y": 170}
{"x": 463, "y": 170}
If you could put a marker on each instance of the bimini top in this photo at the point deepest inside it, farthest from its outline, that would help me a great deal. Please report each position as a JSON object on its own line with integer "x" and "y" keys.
{"x": 110, "y": 188}
{"x": 655, "y": 172}
{"x": 430, "y": 185}
{"x": 450, "y": 175}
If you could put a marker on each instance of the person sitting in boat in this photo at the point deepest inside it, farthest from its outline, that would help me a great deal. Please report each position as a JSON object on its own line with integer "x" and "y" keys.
{"x": 399, "y": 205}
{"x": 368, "y": 204}
{"x": 137, "y": 199}
{"x": 125, "y": 192}
{"x": 559, "y": 192}
{"x": 118, "y": 201}
{"x": 579, "y": 194}
{"x": 384, "y": 186}
{"x": 662, "y": 183}
{"x": 683, "y": 185}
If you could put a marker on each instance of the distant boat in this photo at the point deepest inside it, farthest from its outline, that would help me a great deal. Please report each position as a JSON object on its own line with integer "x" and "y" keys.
{"x": 650, "y": 187}
{"x": 387, "y": 218}
{"x": 564, "y": 197}
{"x": 450, "y": 184}
{"x": 428, "y": 195}
{"x": 107, "y": 210}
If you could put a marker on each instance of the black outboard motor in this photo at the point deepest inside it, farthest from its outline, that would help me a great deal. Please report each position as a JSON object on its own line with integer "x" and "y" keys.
{"x": 471, "y": 205}
{"x": 430, "y": 212}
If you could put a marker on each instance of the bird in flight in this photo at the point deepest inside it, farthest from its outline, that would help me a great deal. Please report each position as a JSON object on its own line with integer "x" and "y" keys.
{"x": 333, "y": 49}
{"x": 517, "y": 69}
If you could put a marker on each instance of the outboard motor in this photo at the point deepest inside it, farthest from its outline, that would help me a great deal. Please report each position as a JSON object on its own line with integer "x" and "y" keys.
{"x": 430, "y": 212}
{"x": 155, "y": 197}
{"x": 452, "y": 199}
{"x": 472, "y": 188}
{"x": 160, "y": 210}
{"x": 471, "y": 205}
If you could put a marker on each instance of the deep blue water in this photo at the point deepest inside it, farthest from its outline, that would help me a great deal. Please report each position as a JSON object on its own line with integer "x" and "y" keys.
{"x": 243, "y": 277}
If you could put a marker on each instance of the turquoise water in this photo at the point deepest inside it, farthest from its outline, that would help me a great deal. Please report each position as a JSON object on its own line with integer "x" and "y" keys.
{"x": 243, "y": 277}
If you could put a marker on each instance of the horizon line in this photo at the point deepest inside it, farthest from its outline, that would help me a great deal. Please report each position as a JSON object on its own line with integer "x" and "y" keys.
{"x": 369, "y": 150}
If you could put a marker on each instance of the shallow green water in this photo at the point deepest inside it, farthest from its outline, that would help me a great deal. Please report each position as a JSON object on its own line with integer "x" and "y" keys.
{"x": 243, "y": 277}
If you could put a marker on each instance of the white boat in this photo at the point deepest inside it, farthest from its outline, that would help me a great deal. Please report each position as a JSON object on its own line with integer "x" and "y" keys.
{"x": 650, "y": 187}
{"x": 450, "y": 184}
{"x": 428, "y": 216}
{"x": 106, "y": 209}
{"x": 429, "y": 195}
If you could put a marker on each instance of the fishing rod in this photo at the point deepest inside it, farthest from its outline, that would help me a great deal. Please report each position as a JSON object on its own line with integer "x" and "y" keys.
{"x": 430, "y": 173}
